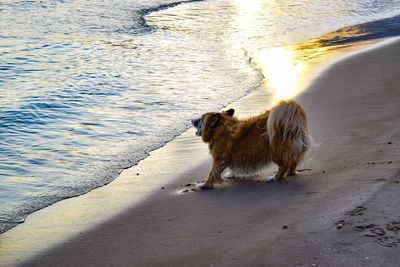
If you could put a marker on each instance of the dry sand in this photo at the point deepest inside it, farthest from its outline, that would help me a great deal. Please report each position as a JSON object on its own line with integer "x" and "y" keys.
{"x": 343, "y": 209}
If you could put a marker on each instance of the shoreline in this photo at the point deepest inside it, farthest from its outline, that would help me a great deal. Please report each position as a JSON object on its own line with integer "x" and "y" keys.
{"x": 68, "y": 225}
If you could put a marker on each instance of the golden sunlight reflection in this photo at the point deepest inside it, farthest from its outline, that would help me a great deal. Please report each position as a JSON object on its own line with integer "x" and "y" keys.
{"x": 277, "y": 64}
{"x": 285, "y": 68}
{"x": 247, "y": 16}
{"x": 281, "y": 71}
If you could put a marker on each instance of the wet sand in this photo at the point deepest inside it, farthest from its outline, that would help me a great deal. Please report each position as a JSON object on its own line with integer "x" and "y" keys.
{"x": 343, "y": 209}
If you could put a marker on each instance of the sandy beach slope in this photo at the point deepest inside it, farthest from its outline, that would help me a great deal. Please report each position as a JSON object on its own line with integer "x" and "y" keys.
{"x": 343, "y": 209}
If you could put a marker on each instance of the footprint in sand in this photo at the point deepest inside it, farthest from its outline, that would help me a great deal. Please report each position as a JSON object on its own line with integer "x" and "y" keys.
{"x": 382, "y": 237}
{"x": 359, "y": 210}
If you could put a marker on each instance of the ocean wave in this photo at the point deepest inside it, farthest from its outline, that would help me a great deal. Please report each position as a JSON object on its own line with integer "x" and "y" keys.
{"x": 140, "y": 25}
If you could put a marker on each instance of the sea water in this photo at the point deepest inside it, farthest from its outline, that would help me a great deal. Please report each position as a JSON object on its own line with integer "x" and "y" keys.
{"x": 89, "y": 88}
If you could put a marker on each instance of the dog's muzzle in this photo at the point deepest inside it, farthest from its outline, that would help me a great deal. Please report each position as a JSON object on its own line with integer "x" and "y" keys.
{"x": 198, "y": 123}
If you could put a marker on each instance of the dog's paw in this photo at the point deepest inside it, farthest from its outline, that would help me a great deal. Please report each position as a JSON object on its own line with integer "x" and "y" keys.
{"x": 205, "y": 186}
{"x": 272, "y": 178}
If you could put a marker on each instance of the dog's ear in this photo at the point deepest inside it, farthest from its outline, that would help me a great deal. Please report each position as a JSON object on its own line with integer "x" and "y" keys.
{"x": 229, "y": 112}
{"x": 215, "y": 120}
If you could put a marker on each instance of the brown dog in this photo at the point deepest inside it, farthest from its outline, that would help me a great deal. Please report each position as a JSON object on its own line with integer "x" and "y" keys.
{"x": 247, "y": 146}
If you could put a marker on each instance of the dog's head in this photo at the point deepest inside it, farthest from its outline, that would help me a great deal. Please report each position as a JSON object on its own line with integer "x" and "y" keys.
{"x": 209, "y": 122}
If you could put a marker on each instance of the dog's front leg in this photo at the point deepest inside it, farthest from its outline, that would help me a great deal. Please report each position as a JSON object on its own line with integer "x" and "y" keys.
{"x": 215, "y": 175}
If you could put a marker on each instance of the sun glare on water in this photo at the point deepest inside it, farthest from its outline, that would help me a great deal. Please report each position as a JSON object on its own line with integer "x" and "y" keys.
{"x": 278, "y": 65}
{"x": 280, "y": 70}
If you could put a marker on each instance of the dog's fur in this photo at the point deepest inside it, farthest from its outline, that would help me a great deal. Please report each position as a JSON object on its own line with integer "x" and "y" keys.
{"x": 246, "y": 146}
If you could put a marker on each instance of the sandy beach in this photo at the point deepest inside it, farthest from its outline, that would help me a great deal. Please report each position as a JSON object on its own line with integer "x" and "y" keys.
{"x": 342, "y": 209}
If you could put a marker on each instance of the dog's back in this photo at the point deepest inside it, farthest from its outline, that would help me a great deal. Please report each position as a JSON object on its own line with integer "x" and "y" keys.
{"x": 246, "y": 146}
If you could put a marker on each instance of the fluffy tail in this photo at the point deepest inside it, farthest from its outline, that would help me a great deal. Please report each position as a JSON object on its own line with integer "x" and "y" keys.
{"x": 287, "y": 124}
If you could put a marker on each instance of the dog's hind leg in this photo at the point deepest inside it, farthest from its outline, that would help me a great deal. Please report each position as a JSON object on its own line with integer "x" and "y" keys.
{"x": 281, "y": 172}
{"x": 215, "y": 175}
{"x": 295, "y": 160}
{"x": 292, "y": 170}
{"x": 282, "y": 164}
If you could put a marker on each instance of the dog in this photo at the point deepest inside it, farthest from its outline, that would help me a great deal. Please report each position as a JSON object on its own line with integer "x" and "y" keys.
{"x": 247, "y": 146}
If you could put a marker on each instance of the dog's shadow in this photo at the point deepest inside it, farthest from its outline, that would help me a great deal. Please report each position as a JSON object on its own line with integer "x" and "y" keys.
{"x": 261, "y": 181}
